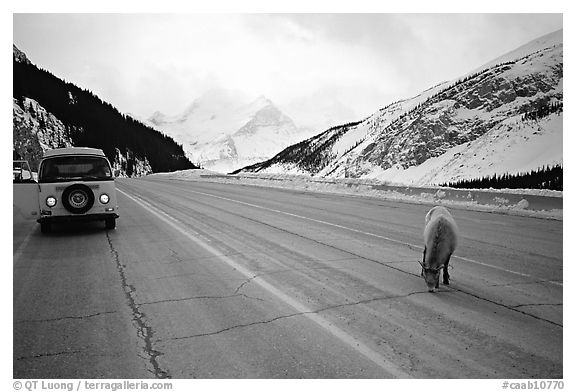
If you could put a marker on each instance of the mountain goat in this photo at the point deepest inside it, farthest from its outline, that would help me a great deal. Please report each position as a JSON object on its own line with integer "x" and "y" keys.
{"x": 440, "y": 240}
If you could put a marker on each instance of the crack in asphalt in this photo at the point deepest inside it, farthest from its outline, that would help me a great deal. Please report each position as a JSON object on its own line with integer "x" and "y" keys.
{"x": 286, "y": 270}
{"x": 521, "y": 283}
{"x": 143, "y": 330}
{"x": 518, "y": 306}
{"x": 200, "y": 297}
{"x": 297, "y": 269}
{"x": 304, "y": 269}
{"x": 262, "y": 322}
{"x": 64, "y": 318}
{"x": 71, "y": 352}
{"x": 509, "y": 307}
{"x": 267, "y": 273}
{"x": 247, "y": 281}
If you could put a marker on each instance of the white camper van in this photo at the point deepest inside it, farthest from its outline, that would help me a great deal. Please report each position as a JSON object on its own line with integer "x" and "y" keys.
{"x": 72, "y": 184}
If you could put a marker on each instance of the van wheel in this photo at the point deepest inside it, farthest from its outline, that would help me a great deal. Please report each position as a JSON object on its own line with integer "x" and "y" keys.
{"x": 110, "y": 223}
{"x": 45, "y": 227}
{"x": 78, "y": 198}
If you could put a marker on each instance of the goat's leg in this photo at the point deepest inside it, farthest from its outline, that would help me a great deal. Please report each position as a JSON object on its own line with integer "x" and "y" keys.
{"x": 445, "y": 274}
{"x": 423, "y": 260}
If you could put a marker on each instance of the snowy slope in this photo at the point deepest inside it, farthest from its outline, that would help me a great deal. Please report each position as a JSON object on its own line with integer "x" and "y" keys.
{"x": 525, "y": 146}
{"x": 224, "y": 130}
{"x": 36, "y": 130}
{"x": 19, "y": 56}
{"x": 546, "y": 41}
{"x": 472, "y": 126}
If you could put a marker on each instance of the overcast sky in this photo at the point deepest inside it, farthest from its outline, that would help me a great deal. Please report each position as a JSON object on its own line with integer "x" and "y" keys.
{"x": 142, "y": 63}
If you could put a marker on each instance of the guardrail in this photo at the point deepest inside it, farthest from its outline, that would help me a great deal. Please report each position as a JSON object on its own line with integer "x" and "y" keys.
{"x": 483, "y": 196}
{"x": 521, "y": 199}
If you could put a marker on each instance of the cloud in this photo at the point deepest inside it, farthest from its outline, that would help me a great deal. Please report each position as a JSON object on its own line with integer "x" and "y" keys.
{"x": 146, "y": 62}
{"x": 421, "y": 50}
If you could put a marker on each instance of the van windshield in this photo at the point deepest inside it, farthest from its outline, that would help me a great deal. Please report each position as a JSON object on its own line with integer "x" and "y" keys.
{"x": 67, "y": 168}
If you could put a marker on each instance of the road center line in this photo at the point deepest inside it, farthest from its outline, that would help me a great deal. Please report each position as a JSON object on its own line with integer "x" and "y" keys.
{"x": 349, "y": 340}
{"x": 553, "y": 282}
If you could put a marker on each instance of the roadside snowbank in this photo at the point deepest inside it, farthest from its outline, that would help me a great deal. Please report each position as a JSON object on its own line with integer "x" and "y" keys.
{"x": 523, "y": 202}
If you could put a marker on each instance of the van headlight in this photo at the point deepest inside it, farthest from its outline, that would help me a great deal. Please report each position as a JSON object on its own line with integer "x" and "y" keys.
{"x": 51, "y": 201}
{"x": 104, "y": 198}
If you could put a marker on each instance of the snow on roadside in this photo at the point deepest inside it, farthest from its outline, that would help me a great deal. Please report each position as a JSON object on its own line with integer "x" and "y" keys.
{"x": 376, "y": 189}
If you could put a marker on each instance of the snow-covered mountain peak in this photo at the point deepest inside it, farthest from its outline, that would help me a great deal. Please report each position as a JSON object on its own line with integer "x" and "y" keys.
{"x": 267, "y": 116}
{"x": 261, "y": 101}
{"x": 223, "y": 130}
{"x": 546, "y": 41}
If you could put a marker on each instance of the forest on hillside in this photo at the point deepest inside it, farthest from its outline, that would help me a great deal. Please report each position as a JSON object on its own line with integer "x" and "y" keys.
{"x": 543, "y": 178}
{"x": 91, "y": 122}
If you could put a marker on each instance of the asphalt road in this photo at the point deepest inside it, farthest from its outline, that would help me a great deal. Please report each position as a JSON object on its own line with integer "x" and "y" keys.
{"x": 207, "y": 280}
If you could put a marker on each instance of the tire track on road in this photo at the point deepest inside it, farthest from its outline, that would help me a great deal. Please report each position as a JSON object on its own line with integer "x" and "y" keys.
{"x": 407, "y": 244}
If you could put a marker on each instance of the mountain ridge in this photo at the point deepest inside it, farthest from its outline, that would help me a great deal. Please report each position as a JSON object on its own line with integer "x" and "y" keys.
{"x": 223, "y": 130}
{"x": 46, "y": 106}
{"x": 393, "y": 142}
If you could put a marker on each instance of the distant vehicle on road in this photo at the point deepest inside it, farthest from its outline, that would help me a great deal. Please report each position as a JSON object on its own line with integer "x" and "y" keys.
{"x": 74, "y": 183}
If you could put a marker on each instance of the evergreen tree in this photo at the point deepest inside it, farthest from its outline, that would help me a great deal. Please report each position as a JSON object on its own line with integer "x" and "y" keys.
{"x": 90, "y": 122}
{"x": 543, "y": 178}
